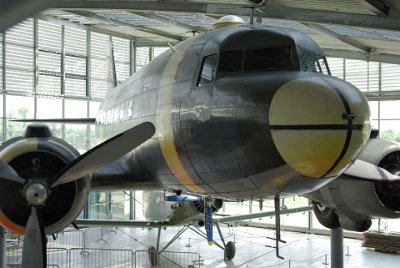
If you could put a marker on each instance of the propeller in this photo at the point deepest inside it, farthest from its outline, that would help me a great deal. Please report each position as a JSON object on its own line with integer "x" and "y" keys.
{"x": 370, "y": 172}
{"x": 8, "y": 173}
{"x": 34, "y": 250}
{"x": 37, "y": 190}
{"x": 105, "y": 153}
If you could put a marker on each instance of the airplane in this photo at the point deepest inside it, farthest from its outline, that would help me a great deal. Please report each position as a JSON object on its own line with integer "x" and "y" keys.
{"x": 240, "y": 112}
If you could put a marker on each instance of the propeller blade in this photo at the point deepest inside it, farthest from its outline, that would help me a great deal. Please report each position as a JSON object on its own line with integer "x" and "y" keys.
{"x": 8, "y": 173}
{"x": 34, "y": 250}
{"x": 105, "y": 153}
{"x": 369, "y": 172}
{"x": 208, "y": 220}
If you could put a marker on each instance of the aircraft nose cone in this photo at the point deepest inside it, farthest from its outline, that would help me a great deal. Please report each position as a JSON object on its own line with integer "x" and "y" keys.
{"x": 319, "y": 125}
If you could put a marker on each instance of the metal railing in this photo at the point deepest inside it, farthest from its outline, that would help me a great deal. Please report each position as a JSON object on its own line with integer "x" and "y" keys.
{"x": 167, "y": 259}
{"x": 96, "y": 257}
{"x": 79, "y": 249}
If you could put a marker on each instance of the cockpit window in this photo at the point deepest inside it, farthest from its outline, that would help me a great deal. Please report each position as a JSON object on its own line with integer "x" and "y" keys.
{"x": 231, "y": 61}
{"x": 208, "y": 69}
{"x": 268, "y": 59}
{"x": 312, "y": 62}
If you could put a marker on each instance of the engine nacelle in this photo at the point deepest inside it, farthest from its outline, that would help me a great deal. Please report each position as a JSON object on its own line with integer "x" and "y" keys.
{"x": 351, "y": 203}
{"x": 40, "y": 155}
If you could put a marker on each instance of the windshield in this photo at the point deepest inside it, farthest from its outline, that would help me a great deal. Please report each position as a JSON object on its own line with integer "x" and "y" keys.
{"x": 268, "y": 59}
{"x": 264, "y": 59}
{"x": 312, "y": 62}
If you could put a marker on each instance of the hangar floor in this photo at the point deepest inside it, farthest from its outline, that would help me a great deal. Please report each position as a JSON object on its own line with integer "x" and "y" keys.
{"x": 253, "y": 248}
{"x": 127, "y": 247}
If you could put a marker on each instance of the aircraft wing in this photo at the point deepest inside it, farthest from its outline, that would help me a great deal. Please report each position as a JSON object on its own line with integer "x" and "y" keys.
{"x": 116, "y": 223}
{"x": 260, "y": 214}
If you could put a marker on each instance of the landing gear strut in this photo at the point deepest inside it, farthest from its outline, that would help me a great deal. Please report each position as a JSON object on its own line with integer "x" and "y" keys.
{"x": 228, "y": 248}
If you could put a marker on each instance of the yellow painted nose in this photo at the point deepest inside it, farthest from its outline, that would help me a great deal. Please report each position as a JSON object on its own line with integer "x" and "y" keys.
{"x": 319, "y": 125}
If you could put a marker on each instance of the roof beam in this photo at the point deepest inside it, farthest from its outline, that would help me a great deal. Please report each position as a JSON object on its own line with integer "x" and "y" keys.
{"x": 303, "y": 15}
{"x": 376, "y": 6}
{"x": 356, "y": 55}
{"x": 359, "y": 20}
{"x": 92, "y": 28}
{"x": 122, "y": 23}
{"x": 345, "y": 39}
{"x": 169, "y": 21}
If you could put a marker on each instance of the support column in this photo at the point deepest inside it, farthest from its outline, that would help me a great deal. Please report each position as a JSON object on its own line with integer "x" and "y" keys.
{"x": 337, "y": 248}
{"x": 3, "y": 252}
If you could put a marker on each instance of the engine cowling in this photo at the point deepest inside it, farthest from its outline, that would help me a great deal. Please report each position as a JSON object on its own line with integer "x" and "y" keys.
{"x": 351, "y": 203}
{"x": 37, "y": 156}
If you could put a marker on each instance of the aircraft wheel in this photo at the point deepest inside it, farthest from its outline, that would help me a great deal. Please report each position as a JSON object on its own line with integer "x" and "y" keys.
{"x": 152, "y": 256}
{"x": 326, "y": 216}
{"x": 230, "y": 251}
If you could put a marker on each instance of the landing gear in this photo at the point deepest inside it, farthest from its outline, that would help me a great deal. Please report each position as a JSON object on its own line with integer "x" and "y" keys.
{"x": 326, "y": 216}
{"x": 228, "y": 248}
{"x": 230, "y": 251}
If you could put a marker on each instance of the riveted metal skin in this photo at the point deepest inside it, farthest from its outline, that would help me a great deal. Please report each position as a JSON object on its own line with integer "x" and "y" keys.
{"x": 244, "y": 135}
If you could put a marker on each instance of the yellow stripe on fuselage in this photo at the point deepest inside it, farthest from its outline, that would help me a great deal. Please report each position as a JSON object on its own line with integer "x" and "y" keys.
{"x": 164, "y": 125}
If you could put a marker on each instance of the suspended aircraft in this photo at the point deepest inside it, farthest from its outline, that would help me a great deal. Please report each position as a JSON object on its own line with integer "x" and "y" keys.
{"x": 240, "y": 112}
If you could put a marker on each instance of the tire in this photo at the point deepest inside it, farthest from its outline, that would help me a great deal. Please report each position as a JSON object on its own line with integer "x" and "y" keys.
{"x": 230, "y": 251}
{"x": 326, "y": 216}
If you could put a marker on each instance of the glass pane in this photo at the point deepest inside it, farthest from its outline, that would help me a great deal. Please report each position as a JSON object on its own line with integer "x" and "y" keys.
{"x": 122, "y": 57}
{"x": 336, "y": 67}
{"x": 93, "y": 108}
{"x": 49, "y": 108}
{"x": 22, "y": 33}
{"x": 139, "y": 206}
{"x": 75, "y": 109}
{"x": 49, "y": 85}
{"x": 373, "y": 76}
{"x": 357, "y": 73}
{"x": 390, "y": 129}
{"x": 19, "y": 81}
{"x": 75, "y": 65}
{"x": 49, "y": 62}
{"x": 231, "y": 61}
{"x": 49, "y": 36}
{"x": 142, "y": 57}
{"x": 268, "y": 59}
{"x": 159, "y": 50}
{"x": 208, "y": 70}
{"x": 295, "y": 219}
{"x": 390, "y": 109}
{"x": 373, "y": 106}
{"x": 75, "y": 87}
{"x": 77, "y": 136}
{"x": 18, "y": 107}
{"x": 75, "y": 41}
{"x": 19, "y": 57}
{"x": 390, "y": 77}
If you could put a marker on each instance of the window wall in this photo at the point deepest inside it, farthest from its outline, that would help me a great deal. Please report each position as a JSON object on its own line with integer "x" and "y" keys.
{"x": 51, "y": 70}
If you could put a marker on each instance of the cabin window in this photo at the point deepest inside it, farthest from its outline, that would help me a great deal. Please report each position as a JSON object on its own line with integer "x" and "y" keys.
{"x": 130, "y": 110}
{"x": 208, "y": 69}
{"x": 312, "y": 62}
{"x": 268, "y": 59}
{"x": 231, "y": 61}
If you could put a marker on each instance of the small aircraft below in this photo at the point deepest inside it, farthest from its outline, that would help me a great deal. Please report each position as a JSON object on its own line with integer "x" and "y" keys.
{"x": 240, "y": 112}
